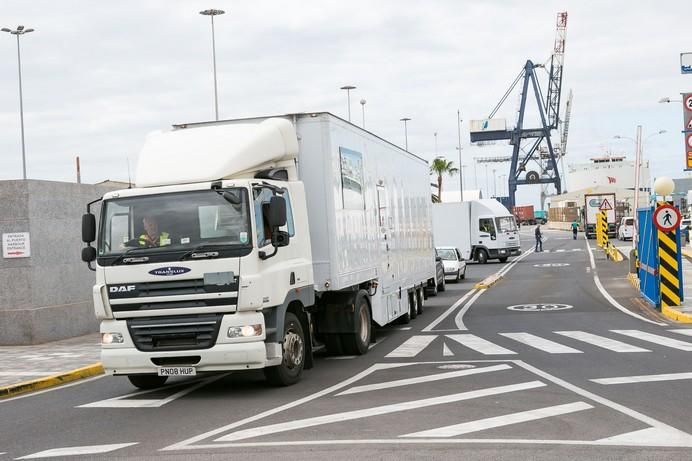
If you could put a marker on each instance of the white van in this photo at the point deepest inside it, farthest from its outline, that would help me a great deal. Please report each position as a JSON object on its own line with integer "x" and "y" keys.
{"x": 626, "y": 229}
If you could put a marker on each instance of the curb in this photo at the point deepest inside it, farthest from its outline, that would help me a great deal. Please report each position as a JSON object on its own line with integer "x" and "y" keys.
{"x": 51, "y": 381}
{"x": 488, "y": 282}
{"x": 676, "y": 315}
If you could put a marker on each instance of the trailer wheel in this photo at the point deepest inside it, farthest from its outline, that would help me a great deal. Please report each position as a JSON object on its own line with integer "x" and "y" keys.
{"x": 293, "y": 354}
{"x": 412, "y": 305}
{"x": 419, "y": 295}
{"x": 147, "y": 381}
{"x": 357, "y": 343}
{"x": 482, "y": 256}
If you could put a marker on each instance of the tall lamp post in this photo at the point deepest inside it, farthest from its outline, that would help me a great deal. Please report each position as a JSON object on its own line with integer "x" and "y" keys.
{"x": 405, "y": 120}
{"x": 211, "y": 13}
{"x": 20, "y": 30}
{"x": 637, "y": 173}
{"x": 461, "y": 181}
{"x": 362, "y": 106}
{"x": 348, "y": 89}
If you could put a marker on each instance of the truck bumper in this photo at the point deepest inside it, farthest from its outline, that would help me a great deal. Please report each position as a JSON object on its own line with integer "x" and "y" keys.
{"x": 504, "y": 252}
{"x": 221, "y": 357}
{"x": 226, "y": 354}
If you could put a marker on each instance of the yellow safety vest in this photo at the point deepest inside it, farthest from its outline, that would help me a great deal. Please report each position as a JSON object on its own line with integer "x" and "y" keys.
{"x": 162, "y": 236}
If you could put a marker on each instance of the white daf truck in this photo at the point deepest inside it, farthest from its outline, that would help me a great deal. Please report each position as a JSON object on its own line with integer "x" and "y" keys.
{"x": 248, "y": 243}
{"x": 481, "y": 229}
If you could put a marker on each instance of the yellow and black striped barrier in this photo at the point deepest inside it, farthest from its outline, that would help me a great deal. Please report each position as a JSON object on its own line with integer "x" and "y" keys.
{"x": 602, "y": 229}
{"x": 669, "y": 270}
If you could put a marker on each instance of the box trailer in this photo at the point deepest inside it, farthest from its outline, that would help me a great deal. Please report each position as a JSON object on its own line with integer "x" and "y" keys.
{"x": 273, "y": 236}
{"x": 593, "y": 203}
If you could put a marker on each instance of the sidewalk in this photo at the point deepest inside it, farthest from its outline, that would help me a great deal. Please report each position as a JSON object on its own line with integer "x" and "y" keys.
{"x": 29, "y": 368}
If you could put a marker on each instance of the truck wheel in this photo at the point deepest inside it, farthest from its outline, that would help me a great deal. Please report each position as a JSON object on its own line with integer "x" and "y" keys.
{"x": 503, "y": 259}
{"x": 419, "y": 294}
{"x": 293, "y": 354}
{"x": 357, "y": 343}
{"x": 412, "y": 305}
{"x": 482, "y": 256}
{"x": 147, "y": 381}
{"x": 442, "y": 286}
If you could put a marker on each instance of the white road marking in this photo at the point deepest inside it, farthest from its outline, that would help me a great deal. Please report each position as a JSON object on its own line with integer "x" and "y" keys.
{"x": 459, "y": 319}
{"x": 653, "y": 437}
{"x": 424, "y": 379}
{"x": 404, "y": 328}
{"x": 504, "y": 420}
{"x": 683, "y": 331}
{"x": 656, "y": 339}
{"x": 643, "y": 378}
{"x": 600, "y": 341}
{"x": 446, "y": 352}
{"x": 74, "y": 451}
{"x": 480, "y": 345}
{"x": 607, "y": 296}
{"x": 446, "y": 313}
{"x": 542, "y": 344}
{"x": 412, "y": 346}
{"x": 123, "y": 402}
{"x": 342, "y": 357}
{"x": 376, "y": 411}
{"x": 376, "y": 343}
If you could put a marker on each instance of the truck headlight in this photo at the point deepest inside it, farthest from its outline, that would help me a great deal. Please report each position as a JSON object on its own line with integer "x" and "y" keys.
{"x": 245, "y": 331}
{"x": 112, "y": 338}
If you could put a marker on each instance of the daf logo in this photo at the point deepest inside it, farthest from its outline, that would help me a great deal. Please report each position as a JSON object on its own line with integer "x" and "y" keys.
{"x": 168, "y": 271}
{"x": 121, "y": 288}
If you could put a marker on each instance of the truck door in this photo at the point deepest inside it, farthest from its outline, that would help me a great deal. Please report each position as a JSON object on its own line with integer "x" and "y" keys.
{"x": 384, "y": 221}
{"x": 487, "y": 233}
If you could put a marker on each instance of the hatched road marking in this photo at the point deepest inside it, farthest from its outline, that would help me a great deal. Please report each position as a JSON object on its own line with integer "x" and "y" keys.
{"x": 542, "y": 344}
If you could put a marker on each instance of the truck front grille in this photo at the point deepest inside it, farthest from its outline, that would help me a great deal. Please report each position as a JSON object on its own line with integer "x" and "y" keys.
{"x": 175, "y": 333}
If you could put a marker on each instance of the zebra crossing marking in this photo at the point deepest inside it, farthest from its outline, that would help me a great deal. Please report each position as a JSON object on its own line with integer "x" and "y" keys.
{"x": 481, "y": 345}
{"x": 542, "y": 344}
{"x": 412, "y": 346}
{"x": 600, "y": 341}
{"x": 656, "y": 339}
{"x": 643, "y": 378}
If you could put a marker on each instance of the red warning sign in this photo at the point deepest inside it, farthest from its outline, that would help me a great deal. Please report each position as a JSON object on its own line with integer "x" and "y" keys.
{"x": 605, "y": 205}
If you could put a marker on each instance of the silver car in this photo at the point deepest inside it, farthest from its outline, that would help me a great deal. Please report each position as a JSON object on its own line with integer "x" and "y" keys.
{"x": 454, "y": 265}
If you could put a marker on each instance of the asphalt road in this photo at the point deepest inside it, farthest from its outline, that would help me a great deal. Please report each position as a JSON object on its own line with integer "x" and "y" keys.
{"x": 539, "y": 366}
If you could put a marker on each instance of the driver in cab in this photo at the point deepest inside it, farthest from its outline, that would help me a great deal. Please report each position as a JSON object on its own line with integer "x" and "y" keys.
{"x": 152, "y": 236}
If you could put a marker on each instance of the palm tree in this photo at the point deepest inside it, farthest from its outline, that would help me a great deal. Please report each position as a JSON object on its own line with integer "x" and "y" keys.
{"x": 440, "y": 166}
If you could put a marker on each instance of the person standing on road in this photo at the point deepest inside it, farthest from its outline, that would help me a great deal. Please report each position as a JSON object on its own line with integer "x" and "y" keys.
{"x": 539, "y": 239}
{"x": 575, "y": 229}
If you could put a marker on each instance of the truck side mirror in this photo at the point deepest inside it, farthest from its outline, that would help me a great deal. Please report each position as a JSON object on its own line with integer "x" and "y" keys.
{"x": 88, "y": 254}
{"x": 280, "y": 239}
{"x": 275, "y": 212}
{"x": 88, "y": 228}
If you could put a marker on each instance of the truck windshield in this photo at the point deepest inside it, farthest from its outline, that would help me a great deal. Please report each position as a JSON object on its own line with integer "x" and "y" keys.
{"x": 506, "y": 224}
{"x": 174, "y": 222}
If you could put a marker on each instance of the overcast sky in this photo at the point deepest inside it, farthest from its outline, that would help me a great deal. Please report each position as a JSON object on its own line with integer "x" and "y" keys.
{"x": 99, "y": 76}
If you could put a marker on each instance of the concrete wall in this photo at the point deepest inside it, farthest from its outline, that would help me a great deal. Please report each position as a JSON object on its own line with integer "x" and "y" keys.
{"x": 47, "y": 296}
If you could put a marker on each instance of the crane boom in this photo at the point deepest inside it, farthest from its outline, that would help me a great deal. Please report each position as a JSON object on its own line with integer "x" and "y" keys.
{"x": 552, "y": 100}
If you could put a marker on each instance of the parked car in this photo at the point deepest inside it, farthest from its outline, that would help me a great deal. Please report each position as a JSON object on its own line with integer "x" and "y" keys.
{"x": 438, "y": 283}
{"x": 454, "y": 264}
{"x": 626, "y": 229}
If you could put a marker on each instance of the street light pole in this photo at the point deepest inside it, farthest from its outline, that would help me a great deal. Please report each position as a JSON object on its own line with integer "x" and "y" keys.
{"x": 20, "y": 30}
{"x": 348, "y": 89}
{"x": 405, "y": 120}
{"x": 213, "y": 13}
{"x": 461, "y": 181}
{"x": 362, "y": 105}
